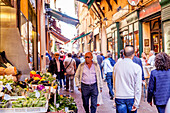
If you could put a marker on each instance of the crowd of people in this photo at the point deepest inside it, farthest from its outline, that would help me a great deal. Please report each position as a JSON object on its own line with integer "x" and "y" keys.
{"x": 124, "y": 77}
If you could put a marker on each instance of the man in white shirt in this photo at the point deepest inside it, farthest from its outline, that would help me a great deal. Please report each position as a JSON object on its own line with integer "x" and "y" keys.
{"x": 89, "y": 82}
{"x": 151, "y": 60}
{"x": 127, "y": 80}
{"x": 108, "y": 71}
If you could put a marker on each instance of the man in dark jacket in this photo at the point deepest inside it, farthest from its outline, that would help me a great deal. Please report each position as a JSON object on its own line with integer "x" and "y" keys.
{"x": 56, "y": 67}
{"x": 77, "y": 60}
{"x": 138, "y": 61}
{"x": 99, "y": 61}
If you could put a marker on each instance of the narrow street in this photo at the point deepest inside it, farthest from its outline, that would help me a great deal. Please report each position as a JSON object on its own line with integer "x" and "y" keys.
{"x": 108, "y": 106}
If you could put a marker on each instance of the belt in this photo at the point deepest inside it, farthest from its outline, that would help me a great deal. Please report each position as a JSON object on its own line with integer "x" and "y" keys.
{"x": 89, "y": 84}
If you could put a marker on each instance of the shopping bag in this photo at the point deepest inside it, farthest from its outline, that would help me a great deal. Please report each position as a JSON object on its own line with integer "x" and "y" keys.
{"x": 99, "y": 99}
{"x": 167, "y": 109}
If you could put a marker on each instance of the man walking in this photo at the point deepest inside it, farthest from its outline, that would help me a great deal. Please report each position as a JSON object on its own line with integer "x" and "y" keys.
{"x": 89, "y": 82}
{"x": 70, "y": 67}
{"x": 99, "y": 61}
{"x": 127, "y": 77}
{"x": 108, "y": 71}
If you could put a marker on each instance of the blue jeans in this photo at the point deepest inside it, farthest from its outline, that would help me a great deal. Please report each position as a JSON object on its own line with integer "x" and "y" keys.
{"x": 124, "y": 105}
{"x": 109, "y": 79}
{"x": 89, "y": 91}
{"x": 161, "y": 108}
{"x": 101, "y": 71}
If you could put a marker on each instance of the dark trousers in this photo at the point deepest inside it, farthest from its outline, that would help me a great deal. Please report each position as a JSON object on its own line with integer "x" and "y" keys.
{"x": 124, "y": 105}
{"x": 109, "y": 79}
{"x": 71, "y": 79}
{"x": 60, "y": 79}
{"x": 89, "y": 91}
{"x": 161, "y": 108}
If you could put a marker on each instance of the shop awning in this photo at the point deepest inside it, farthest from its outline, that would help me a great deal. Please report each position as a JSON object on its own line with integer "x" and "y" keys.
{"x": 58, "y": 35}
{"x": 63, "y": 17}
{"x": 81, "y": 36}
{"x": 88, "y": 2}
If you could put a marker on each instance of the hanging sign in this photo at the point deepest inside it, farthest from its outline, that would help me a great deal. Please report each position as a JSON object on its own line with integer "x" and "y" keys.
{"x": 133, "y": 2}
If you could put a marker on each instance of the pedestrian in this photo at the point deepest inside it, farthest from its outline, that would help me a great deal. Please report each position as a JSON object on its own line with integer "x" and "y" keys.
{"x": 70, "y": 66}
{"x": 151, "y": 60}
{"x": 139, "y": 62}
{"x": 127, "y": 80}
{"x": 102, "y": 56}
{"x": 99, "y": 61}
{"x": 159, "y": 83}
{"x": 56, "y": 67}
{"x": 77, "y": 60}
{"x": 108, "y": 71}
{"x": 121, "y": 55}
{"x": 89, "y": 82}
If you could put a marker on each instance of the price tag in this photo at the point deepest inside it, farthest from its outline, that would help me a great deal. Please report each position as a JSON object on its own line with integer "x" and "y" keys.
{"x": 37, "y": 94}
{"x": 8, "y": 87}
{"x": 51, "y": 89}
{"x": 54, "y": 75}
{"x": 66, "y": 109}
{"x": 6, "y": 97}
{"x": 57, "y": 105}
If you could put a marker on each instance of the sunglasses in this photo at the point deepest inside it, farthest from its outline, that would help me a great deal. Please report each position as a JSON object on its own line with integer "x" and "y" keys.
{"x": 87, "y": 57}
{"x": 57, "y": 55}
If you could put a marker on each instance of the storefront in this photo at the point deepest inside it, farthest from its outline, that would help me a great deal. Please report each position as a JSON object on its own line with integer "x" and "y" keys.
{"x": 129, "y": 30}
{"x": 112, "y": 40}
{"x": 152, "y": 32}
{"x": 165, "y": 18}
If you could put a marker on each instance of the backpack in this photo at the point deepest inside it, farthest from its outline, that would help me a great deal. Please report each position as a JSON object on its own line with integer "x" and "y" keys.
{"x": 112, "y": 62}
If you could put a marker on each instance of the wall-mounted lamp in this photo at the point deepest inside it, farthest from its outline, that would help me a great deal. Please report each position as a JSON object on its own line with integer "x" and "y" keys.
{"x": 105, "y": 19}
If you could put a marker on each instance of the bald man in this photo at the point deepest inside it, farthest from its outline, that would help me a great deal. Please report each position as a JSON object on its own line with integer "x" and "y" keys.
{"x": 89, "y": 82}
{"x": 127, "y": 82}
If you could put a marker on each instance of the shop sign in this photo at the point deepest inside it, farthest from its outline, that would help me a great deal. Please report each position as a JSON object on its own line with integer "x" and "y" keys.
{"x": 121, "y": 13}
{"x": 149, "y": 10}
{"x": 123, "y": 23}
{"x": 133, "y": 2}
{"x": 132, "y": 17}
{"x": 110, "y": 28}
{"x": 109, "y": 35}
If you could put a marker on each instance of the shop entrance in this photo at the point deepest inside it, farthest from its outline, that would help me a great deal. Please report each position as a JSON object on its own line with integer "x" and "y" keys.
{"x": 156, "y": 35}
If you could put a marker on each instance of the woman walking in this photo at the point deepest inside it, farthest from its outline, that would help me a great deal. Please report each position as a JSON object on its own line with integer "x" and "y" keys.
{"x": 159, "y": 83}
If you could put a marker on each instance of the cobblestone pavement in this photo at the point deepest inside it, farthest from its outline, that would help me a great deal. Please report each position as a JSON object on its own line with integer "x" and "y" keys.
{"x": 108, "y": 106}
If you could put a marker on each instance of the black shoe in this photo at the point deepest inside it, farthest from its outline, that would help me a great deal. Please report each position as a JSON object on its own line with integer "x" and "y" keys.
{"x": 111, "y": 97}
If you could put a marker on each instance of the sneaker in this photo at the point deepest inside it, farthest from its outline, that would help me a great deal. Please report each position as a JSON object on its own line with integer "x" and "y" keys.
{"x": 72, "y": 91}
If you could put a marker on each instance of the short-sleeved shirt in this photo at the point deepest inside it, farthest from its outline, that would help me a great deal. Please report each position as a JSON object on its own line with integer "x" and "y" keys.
{"x": 151, "y": 60}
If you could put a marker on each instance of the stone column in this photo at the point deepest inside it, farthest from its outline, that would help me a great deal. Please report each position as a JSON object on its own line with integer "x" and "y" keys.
{"x": 103, "y": 40}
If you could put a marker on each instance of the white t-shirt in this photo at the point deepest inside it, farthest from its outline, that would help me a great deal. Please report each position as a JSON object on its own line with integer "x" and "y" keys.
{"x": 151, "y": 60}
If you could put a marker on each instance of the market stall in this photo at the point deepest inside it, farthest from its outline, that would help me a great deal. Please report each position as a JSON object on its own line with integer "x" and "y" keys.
{"x": 38, "y": 94}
